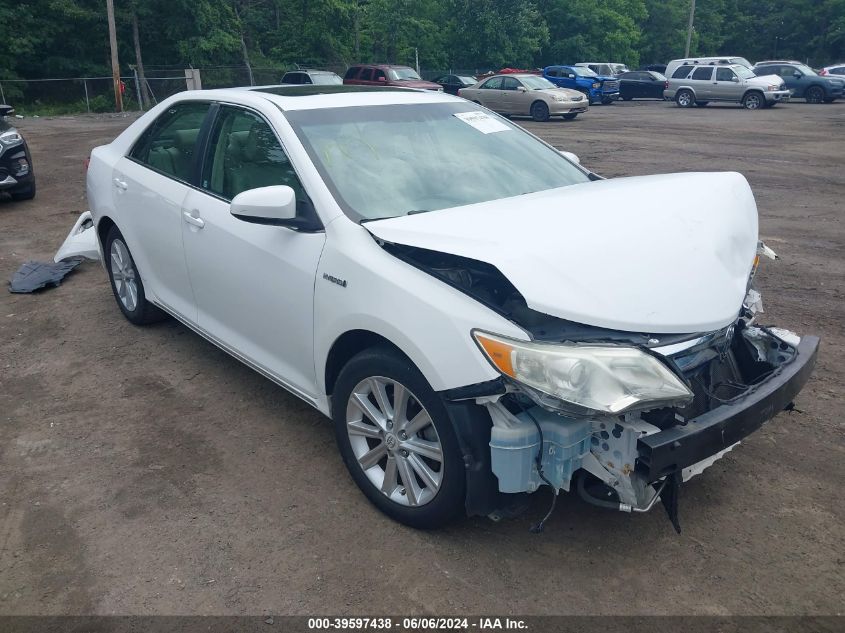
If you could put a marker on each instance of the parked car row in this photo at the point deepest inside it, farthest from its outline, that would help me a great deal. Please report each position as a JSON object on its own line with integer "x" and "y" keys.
{"x": 541, "y": 94}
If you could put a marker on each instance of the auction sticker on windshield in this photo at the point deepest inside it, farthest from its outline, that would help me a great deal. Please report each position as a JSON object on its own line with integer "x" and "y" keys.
{"x": 482, "y": 122}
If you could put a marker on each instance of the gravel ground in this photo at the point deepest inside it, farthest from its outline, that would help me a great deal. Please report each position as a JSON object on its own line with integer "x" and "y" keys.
{"x": 144, "y": 471}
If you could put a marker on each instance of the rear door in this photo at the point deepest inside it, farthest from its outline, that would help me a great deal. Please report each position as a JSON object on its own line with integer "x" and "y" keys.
{"x": 253, "y": 283}
{"x": 702, "y": 82}
{"x": 491, "y": 95}
{"x": 150, "y": 186}
{"x": 514, "y": 100}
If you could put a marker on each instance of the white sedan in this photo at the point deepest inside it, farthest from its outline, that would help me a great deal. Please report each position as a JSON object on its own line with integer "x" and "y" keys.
{"x": 479, "y": 315}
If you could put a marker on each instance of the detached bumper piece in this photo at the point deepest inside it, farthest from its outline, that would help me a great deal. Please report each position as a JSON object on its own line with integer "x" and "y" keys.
{"x": 669, "y": 451}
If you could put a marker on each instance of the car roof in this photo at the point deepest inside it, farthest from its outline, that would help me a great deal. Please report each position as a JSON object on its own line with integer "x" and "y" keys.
{"x": 379, "y": 66}
{"x": 312, "y": 97}
{"x": 512, "y": 75}
{"x": 778, "y": 61}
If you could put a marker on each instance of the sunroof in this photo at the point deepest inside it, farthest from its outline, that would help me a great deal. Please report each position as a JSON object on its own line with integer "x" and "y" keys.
{"x": 308, "y": 91}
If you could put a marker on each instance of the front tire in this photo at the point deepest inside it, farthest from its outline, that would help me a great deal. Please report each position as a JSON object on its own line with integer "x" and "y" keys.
{"x": 754, "y": 101}
{"x": 685, "y": 99}
{"x": 539, "y": 111}
{"x": 814, "y": 94}
{"x": 126, "y": 283}
{"x": 397, "y": 440}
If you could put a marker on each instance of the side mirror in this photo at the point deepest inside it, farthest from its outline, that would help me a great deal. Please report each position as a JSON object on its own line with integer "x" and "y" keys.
{"x": 570, "y": 156}
{"x": 571, "y": 76}
{"x": 6, "y": 110}
{"x": 735, "y": 79}
{"x": 522, "y": 89}
{"x": 274, "y": 205}
{"x": 797, "y": 75}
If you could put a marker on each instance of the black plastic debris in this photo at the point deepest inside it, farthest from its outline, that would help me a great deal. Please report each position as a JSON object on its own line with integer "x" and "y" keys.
{"x": 33, "y": 276}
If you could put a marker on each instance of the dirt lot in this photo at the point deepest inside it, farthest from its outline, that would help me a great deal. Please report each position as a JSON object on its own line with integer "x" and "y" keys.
{"x": 144, "y": 471}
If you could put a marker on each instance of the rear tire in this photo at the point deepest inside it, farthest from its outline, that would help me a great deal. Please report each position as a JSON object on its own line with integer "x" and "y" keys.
{"x": 685, "y": 99}
{"x": 569, "y": 117}
{"x": 540, "y": 111}
{"x": 627, "y": 98}
{"x": 408, "y": 462}
{"x": 814, "y": 94}
{"x": 27, "y": 193}
{"x": 126, "y": 282}
{"x": 754, "y": 100}
{"x": 607, "y": 101}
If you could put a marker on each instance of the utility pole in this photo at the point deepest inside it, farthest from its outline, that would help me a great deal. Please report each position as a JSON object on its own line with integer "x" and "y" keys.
{"x": 689, "y": 26}
{"x": 115, "y": 65}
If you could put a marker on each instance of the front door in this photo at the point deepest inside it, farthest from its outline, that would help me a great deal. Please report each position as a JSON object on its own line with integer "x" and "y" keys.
{"x": 726, "y": 85}
{"x": 253, "y": 283}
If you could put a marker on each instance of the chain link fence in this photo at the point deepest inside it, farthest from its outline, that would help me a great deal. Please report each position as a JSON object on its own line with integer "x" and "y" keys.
{"x": 96, "y": 94}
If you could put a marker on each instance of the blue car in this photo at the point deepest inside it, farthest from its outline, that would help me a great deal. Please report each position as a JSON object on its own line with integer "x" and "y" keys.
{"x": 598, "y": 88}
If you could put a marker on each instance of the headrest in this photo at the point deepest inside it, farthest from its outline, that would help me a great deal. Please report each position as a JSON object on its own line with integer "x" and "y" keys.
{"x": 186, "y": 139}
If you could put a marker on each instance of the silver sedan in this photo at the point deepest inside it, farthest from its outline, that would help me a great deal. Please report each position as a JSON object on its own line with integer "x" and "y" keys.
{"x": 527, "y": 95}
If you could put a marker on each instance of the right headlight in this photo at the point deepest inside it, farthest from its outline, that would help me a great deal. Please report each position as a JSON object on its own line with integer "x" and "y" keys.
{"x": 596, "y": 85}
{"x": 607, "y": 379}
{"x": 10, "y": 137}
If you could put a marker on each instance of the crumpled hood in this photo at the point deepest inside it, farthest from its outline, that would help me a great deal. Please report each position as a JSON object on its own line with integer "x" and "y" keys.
{"x": 653, "y": 254}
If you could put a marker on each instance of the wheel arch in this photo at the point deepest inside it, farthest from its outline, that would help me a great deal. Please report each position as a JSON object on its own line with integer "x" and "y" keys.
{"x": 346, "y": 346}
{"x": 103, "y": 227}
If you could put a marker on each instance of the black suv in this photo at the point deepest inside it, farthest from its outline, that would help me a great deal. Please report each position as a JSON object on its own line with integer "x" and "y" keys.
{"x": 803, "y": 80}
{"x": 16, "y": 176}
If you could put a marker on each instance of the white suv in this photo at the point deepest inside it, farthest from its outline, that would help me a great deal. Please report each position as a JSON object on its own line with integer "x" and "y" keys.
{"x": 479, "y": 315}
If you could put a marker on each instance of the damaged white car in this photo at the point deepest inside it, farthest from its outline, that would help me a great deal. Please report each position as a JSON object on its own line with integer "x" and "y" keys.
{"x": 479, "y": 315}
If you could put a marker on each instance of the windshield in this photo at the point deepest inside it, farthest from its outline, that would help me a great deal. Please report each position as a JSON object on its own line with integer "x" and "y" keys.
{"x": 402, "y": 74}
{"x": 743, "y": 72}
{"x": 469, "y": 81}
{"x": 583, "y": 72}
{"x": 805, "y": 69}
{"x": 619, "y": 68}
{"x": 394, "y": 160}
{"x": 536, "y": 83}
{"x": 326, "y": 79}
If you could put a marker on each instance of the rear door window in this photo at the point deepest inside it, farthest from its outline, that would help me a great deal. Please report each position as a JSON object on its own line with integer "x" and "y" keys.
{"x": 366, "y": 74}
{"x": 168, "y": 145}
{"x": 352, "y": 73}
{"x": 702, "y": 73}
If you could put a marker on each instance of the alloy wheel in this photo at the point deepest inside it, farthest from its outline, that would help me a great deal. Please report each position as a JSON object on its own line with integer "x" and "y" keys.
{"x": 124, "y": 275}
{"x": 753, "y": 101}
{"x": 394, "y": 441}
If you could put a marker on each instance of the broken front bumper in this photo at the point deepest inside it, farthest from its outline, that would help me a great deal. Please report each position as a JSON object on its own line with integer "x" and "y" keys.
{"x": 676, "y": 448}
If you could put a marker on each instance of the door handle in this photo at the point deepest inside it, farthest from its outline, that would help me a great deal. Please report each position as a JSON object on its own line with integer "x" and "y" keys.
{"x": 120, "y": 184}
{"x": 195, "y": 220}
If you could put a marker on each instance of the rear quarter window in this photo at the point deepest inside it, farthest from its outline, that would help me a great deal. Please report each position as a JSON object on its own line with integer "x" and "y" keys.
{"x": 682, "y": 72}
{"x": 352, "y": 73}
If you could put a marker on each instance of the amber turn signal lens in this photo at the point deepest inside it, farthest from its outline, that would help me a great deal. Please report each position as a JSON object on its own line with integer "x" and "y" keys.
{"x": 499, "y": 353}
